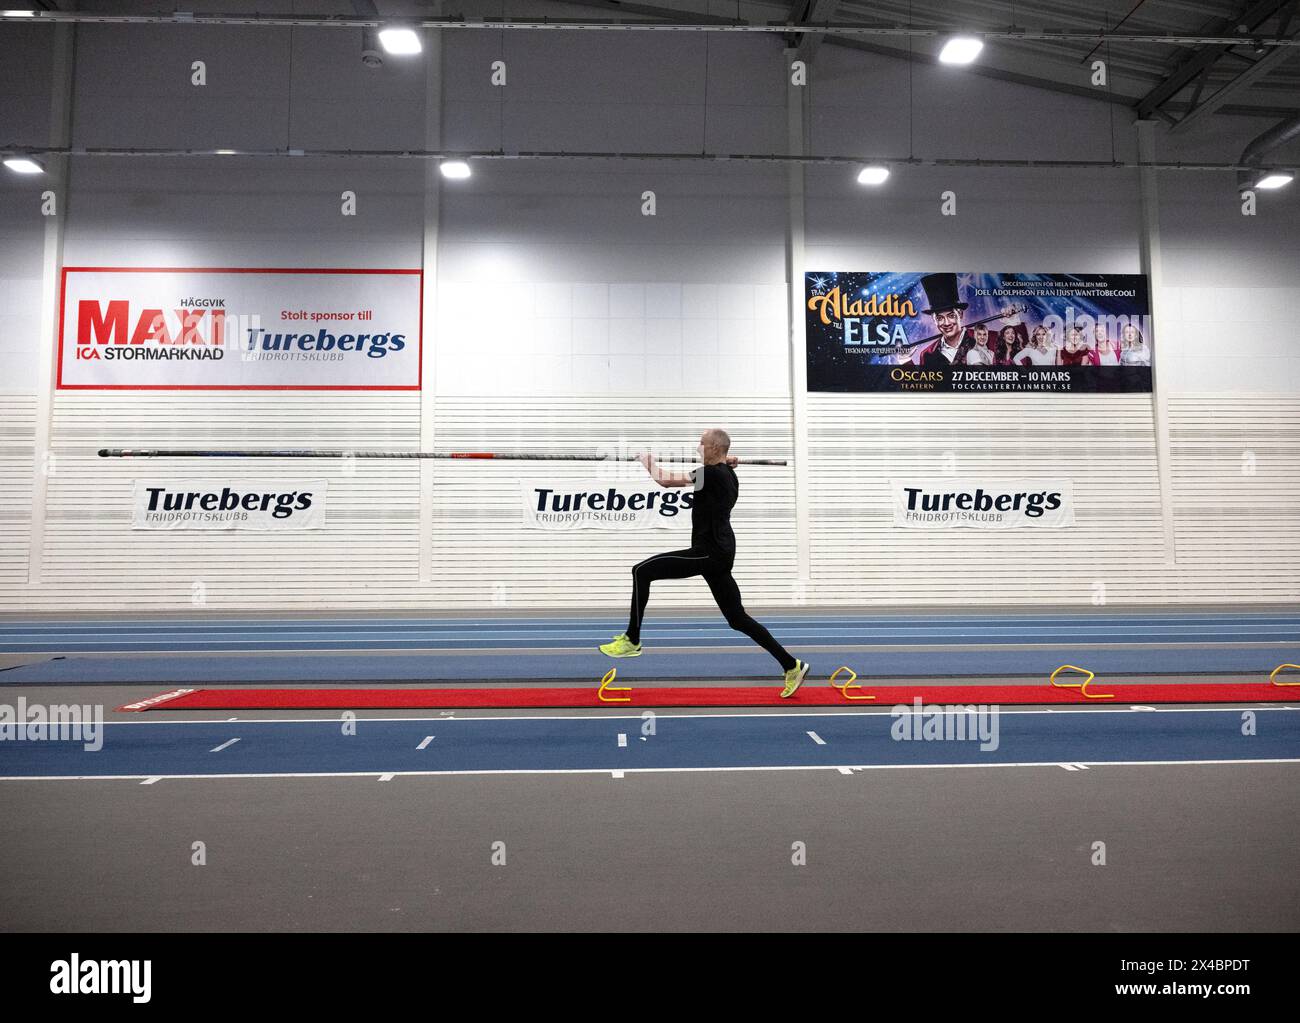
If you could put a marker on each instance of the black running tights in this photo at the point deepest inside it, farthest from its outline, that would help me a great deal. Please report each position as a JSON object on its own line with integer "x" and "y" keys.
{"x": 695, "y": 561}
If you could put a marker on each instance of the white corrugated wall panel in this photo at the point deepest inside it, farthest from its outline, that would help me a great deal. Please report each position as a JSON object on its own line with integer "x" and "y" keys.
{"x": 1104, "y": 444}
{"x": 483, "y": 557}
{"x": 17, "y": 442}
{"x": 1235, "y": 470}
{"x": 1236, "y": 478}
{"x": 93, "y": 560}
{"x": 367, "y": 556}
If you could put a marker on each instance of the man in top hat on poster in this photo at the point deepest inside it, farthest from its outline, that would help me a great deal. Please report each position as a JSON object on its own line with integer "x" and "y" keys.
{"x": 946, "y": 307}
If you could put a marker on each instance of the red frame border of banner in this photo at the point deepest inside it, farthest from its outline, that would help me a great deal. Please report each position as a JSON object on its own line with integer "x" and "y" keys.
{"x": 63, "y": 285}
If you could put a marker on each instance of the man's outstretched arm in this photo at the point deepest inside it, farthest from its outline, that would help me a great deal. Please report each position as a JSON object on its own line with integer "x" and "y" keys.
{"x": 668, "y": 479}
{"x": 665, "y": 479}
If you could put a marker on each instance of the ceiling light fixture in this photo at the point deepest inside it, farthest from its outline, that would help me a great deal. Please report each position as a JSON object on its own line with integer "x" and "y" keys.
{"x": 960, "y": 50}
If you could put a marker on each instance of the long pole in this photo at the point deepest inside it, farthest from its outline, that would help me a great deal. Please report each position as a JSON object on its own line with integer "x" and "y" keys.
{"x": 326, "y": 453}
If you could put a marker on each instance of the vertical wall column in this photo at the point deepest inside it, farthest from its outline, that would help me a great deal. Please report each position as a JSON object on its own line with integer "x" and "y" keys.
{"x": 796, "y": 113}
{"x": 429, "y": 262}
{"x": 43, "y": 464}
{"x": 1151, "y": 266}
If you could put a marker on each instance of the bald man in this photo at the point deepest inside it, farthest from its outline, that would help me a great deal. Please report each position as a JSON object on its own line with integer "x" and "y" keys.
{"x": 712, "y": 554}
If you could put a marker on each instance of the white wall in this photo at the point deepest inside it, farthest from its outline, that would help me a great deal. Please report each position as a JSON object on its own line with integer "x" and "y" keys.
{"x": 1231, "y": 285}
{"x": 597, "y": 296}
{"x": 25, "y": 86}
{"x": 609, "y": 328}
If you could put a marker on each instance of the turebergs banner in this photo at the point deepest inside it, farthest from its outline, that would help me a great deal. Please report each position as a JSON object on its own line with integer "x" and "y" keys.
{"x": 600, "y": 504}
{"x": 149, "y": 328}
{"x": 262, "y": 505}
{"x": 982, "y": 503}
{"x": 978, "y": 332}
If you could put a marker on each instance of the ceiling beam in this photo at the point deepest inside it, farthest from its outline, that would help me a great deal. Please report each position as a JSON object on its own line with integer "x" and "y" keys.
{"x": 815, "y": 12}
{"x": 1261, "y": 67}
{"x": 1050, "y": 85}
{"x": 1200, "y": 61}
{"x": 982, "y": 69}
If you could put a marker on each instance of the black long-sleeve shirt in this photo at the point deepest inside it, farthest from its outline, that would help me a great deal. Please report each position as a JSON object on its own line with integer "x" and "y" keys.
{"x": 711, "y": 510}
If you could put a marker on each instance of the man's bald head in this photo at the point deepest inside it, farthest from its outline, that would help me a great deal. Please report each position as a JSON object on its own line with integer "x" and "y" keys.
{"x": 714, "y": 445}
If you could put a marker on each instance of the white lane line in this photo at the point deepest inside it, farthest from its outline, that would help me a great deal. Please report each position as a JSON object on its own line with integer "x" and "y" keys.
{"x": 327, "y": 625}
{"x": 1067, "y": 767}
{"x": 425, "y": 744}
{"x": 844, "y": 770}
{"x": 642, "y": 770}
{"x": 622, "y": 740}
{"x": 1218, "y": 708}
{"x": 467, "y": 622}
{"x": 817, "y": 738}
{"x": 317, "y": 638}
{"x": 224, "y": 745}
{"x": 719, "y": 648}
{"x": 385, "y": 777}
{"x": 151, "y": 781}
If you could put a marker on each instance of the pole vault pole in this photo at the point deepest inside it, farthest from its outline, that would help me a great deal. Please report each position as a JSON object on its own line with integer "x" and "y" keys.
{"x": 328, "y": 453}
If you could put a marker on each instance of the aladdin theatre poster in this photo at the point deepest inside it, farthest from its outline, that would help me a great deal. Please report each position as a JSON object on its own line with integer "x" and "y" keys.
{"x": 978, "y": 332}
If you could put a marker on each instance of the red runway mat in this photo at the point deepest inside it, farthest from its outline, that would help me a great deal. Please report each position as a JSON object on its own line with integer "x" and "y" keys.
{"x": 709, "y": 696}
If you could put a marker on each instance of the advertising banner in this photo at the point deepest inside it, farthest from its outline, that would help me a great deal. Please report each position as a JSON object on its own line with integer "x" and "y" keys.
{"x": 978, "y": 332}
{"x": 230, "y": 504}
{"x": 982, "y": 503}
{"x": 129, "y": 328}
{"x": 600, "y": 504}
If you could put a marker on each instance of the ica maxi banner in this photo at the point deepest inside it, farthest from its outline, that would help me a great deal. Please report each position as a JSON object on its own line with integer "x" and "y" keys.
{"x": 983, "y": 504}
{"x": 230, "y": 504}
{"x": 127, "y": 328}
{"x": 600, "y": 504}
{"x": 978, "y": 332}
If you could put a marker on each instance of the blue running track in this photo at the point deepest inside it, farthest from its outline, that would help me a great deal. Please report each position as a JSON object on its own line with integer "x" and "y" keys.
{"x": 260, "y": 650}
{"x": 153, "y": 749}
{"x": 353, "y": 634}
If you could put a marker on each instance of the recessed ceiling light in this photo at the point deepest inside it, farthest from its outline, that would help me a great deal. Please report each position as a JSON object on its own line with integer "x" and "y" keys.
{"x": 454, "y": 169}
{"x": 399, "y": 40}
{"x": 23, "y": 165}
{"x": 873, "y": 175}
{"x": 960, "y": 50}
{"x": 1275, "y": 179}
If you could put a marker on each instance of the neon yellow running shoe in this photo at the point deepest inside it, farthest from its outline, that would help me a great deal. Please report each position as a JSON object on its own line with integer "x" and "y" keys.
{"x": 621, "y": 646}
{"x": 794, "y": 678}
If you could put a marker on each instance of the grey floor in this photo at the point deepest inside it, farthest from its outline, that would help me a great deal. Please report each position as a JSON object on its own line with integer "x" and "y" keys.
{"x": 1188, "y": 848}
